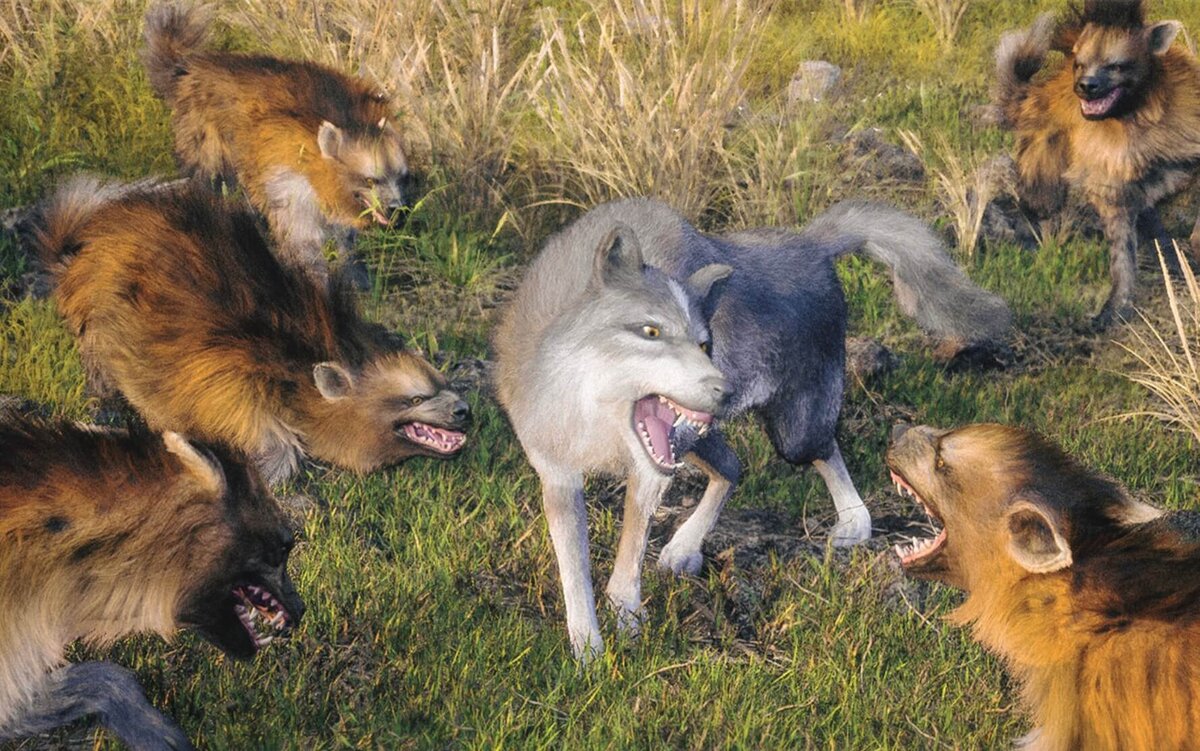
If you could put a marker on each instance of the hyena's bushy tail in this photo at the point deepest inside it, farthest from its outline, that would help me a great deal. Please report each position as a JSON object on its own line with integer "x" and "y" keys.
{"x": 174, "y": 31}
{"x": 1019, "y": 56}
{"x": 929, "y": 286}
{"x": 54, "y": 227}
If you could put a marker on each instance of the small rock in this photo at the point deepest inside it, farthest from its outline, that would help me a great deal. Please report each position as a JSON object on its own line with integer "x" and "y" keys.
{"x": 870, "y": 155}
{"x": 867, "y": 358}
{"x": 813, "y": 81}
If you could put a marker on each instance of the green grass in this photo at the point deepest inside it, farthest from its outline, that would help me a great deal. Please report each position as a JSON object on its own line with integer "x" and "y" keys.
{"x": 434, "y": 615}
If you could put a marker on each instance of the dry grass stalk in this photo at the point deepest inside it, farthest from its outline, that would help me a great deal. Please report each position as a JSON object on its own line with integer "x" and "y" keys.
{"x": 1167, "y": 353}
{"x": 965, "y": 188}
{"x": 946, "y": 17}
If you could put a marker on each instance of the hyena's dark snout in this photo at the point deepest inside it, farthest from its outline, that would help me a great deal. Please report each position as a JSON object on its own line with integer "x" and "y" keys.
{"x": 1092, "y": 87}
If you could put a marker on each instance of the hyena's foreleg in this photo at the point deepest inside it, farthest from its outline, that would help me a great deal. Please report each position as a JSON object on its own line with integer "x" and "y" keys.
{"x": 643, "y": 494}
{"x": 854, "y": 520}
{"x": 566, "y": 516}
{"x": 109, "y": 693}
{"x": 1120, "y": 229}
{"x": 683, "y": 555}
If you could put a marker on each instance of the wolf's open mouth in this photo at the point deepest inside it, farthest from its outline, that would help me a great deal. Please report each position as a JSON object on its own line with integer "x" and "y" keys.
{"x": 439, "y": 439}
{"x": 373, "y": 207}
{"x": 658, "y": 421}
{"x": 261, "y": 614}
{"x": 922, "y": 548}
{"x": 1101, "y": 107}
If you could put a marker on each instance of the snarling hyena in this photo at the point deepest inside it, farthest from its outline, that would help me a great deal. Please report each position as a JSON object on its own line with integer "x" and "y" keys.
{"x": 105, "y": 533}
{"x": 313, "y": 148}
{"x": 179, "y": 305}
{"x": 1119, "y": 119}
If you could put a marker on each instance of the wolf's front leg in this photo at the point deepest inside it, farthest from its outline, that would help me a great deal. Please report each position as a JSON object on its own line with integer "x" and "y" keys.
{"x": 643, "y": 494}
{"x": 683, "y": 555}
{"x": 854, "y": 520}
{"x": 562, "y": 500}
{"x": 111, "y": 694}
{"x": 1120, "y": 229}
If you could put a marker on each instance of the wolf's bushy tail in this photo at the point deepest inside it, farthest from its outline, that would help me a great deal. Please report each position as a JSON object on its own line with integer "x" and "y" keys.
{"x": 1019, "y": 56}
{"x": 174, "y": 31}
{"x": 929, "y": 286}
{"x": 54, "y": 227}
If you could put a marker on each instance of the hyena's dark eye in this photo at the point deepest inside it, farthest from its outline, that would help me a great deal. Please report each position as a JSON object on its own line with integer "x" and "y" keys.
{"x": 651, "y": 332}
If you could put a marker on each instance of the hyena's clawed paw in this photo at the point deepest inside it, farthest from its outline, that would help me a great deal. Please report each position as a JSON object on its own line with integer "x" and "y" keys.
{"x": 679, "y": 560}
{"x": 852, "y": 528}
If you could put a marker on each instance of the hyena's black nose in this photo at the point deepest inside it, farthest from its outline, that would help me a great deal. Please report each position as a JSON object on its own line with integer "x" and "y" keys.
{"x": 1089, "y": 86}
{"x": 461, "y": 412}
{"x": 899, "y": 429}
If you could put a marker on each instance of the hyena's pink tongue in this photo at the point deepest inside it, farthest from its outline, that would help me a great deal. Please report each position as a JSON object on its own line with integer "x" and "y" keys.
{"x": 1101, "y": 106}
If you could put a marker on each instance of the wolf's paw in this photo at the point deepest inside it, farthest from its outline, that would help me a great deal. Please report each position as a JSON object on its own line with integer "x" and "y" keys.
{"x": 679, "y": 562}
{"x": 851, "y": 529}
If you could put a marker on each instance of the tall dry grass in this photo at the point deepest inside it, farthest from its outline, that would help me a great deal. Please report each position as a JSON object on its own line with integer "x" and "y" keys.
{"x": 965, "y": 184}
{"x": 637, "y": 98}
{"x": 1168, "y": 352}
{"x": 946, "y": 16}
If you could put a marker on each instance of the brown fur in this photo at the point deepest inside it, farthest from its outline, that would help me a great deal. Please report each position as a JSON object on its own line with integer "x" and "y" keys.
{"x": 1145, "y": 149}
{"x": 104, "y": 533}
{"x": 178, "y": 303}
{"x": 257, "y": 119}
{"x": 1092, "y": 598}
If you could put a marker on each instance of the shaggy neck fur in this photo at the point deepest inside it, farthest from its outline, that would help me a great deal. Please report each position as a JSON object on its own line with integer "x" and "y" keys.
{"x": 1095, "y": 681}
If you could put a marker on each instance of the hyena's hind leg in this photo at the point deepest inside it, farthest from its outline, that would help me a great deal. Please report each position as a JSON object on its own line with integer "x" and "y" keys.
{"x": 683, "y": 554}
{"x": 109, "y": 693}
{"x": 643, "y": 494}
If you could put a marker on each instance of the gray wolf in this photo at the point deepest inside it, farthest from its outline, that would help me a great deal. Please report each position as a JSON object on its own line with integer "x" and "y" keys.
{"x": 631, "y": 331}
{"x": 105, "y": 533}
{"x": 179, "y": 305}
{"x": 1118, "y": 119}
{"x": 313, "y": 148}
{"x": 1091, "y": 598}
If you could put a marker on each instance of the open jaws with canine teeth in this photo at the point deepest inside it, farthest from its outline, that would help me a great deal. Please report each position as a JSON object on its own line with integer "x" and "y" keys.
{"x": 261, "y": 614}
{"x": 439, "y": 439}
{"x": 656, "y": 419}
{"x": 917, "y": 547}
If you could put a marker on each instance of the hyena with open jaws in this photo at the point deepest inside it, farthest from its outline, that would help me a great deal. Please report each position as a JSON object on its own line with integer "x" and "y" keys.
{"x": 178, "y": 303}
{"x": 1118, "y": 119}
{"x": 312, "y": 147}
{"x": 1091, "y": 597}
{"x": 632, "y": 331}
{"x": 105, "y": 533}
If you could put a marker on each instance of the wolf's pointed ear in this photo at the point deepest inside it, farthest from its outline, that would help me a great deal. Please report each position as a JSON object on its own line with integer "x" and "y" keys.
{"x": 1161, "y": 36}
{"x": 332, "y": 380}
{"x": 618, "y": 257}
{"x": 1036, "y": 541}
{"x": 708, "y": 280}
{"x": 198, "y": 462}
{"x": 329, "y": 139}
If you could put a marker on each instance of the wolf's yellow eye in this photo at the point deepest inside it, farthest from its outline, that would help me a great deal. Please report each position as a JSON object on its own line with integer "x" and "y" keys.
{"x": 370, "y": 182}
{"x": 651, "y": 332}
{"x": 705, "y": 347}
{"x": 416, "y": 400}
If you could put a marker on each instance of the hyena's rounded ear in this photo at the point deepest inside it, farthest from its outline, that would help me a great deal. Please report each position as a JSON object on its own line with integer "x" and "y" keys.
{"x": 202, "y": 465}
{"x": 619, "y": 256}
{"x": 1035, "y": 538}
{"x": 332, "y": 380}
{"x": 709, "y": 280}
{"x": 329, "y": 140}
{"x": 1161, "y": 36}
